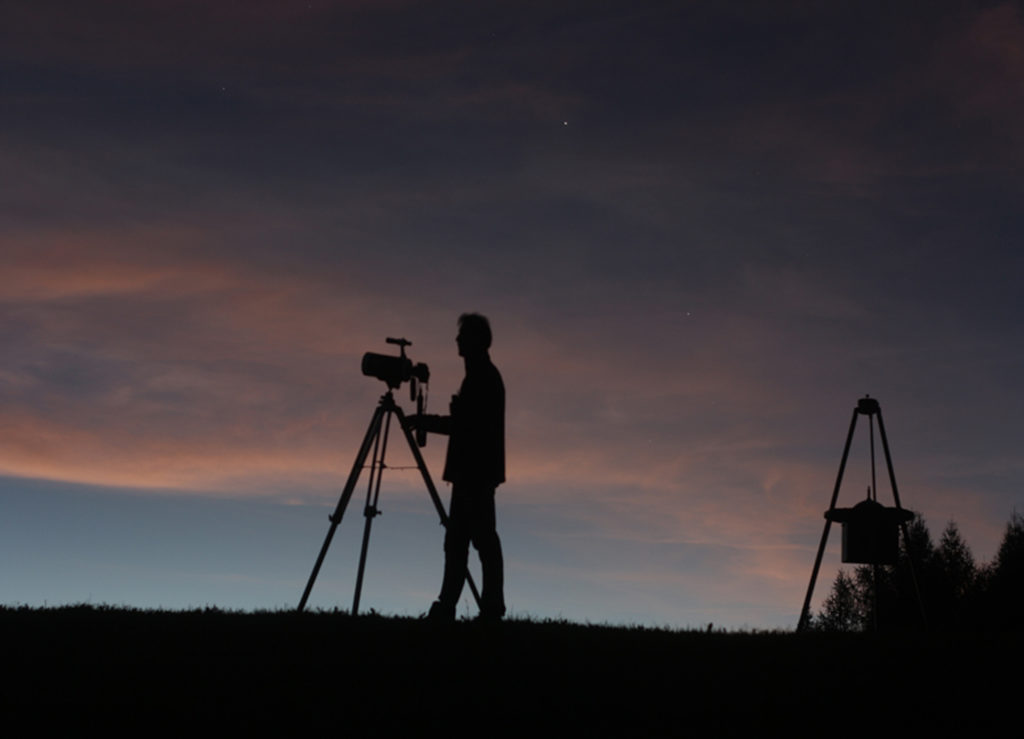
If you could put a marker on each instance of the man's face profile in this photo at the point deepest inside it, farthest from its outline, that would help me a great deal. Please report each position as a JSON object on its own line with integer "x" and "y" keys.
{"x": 474, "y": 336}
{"x": 469, "y": 343}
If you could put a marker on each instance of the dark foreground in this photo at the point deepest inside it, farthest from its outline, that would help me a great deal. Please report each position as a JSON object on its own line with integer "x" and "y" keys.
{"x": 204, "y": 670}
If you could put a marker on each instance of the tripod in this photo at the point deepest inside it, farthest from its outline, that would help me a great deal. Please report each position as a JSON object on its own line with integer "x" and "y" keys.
{"x": 377, "y": 438}
{"x": 869, "y": 407}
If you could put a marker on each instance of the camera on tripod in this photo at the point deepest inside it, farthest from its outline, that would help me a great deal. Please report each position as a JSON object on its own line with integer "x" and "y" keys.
{"x": 393, "y": 371}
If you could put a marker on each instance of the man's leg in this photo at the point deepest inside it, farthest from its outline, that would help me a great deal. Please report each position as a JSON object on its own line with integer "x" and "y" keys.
{"x": 456, "y": 556}
{"x": 488, "y": 545}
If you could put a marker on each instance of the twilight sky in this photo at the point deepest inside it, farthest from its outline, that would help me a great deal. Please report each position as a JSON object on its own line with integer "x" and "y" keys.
{"x": 700, "y": 230}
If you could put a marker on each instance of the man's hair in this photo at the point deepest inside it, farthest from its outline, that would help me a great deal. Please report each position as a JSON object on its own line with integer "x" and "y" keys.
{"x": 476, "y": 328}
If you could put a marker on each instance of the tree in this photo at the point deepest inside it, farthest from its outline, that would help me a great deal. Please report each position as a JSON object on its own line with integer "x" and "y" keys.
{"x": 902, "y": 588}
{"x": 1004, "y": 596}
{"x": 952, "y": 602}
{"x": 843, "y": 610}
{"x": 956, "y": 562}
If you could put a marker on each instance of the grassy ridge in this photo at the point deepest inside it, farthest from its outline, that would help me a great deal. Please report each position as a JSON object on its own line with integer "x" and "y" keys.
{"x": 113, "y": 667}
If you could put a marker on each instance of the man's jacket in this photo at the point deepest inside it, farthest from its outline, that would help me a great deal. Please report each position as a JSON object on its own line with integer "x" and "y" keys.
{"x": 476, "y": 428}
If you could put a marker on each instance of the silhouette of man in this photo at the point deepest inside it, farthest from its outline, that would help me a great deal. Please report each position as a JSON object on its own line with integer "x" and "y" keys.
{"x": 475, "y": 466}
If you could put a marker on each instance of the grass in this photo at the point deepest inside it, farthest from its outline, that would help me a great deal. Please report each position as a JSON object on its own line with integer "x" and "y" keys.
{"x": 116, "y": 667}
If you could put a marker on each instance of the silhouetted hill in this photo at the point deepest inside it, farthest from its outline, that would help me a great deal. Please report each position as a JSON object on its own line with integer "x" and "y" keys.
{"x": 204, "y": 670}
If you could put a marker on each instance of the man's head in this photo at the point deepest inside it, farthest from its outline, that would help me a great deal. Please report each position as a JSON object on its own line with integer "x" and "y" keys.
{"x": 474, "y": 335}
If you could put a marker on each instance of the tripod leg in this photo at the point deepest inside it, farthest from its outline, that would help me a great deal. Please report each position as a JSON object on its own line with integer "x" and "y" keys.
{"x": 357, "y": 467}
{"x": 805, "y": 612}
{"x": 903, "y": 525}
{"x": 372, "y": 496}
{"x": 414, "y": 447}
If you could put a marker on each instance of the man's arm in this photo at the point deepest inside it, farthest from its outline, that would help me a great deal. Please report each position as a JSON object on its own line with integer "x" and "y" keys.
{"x": 431, "y": 423}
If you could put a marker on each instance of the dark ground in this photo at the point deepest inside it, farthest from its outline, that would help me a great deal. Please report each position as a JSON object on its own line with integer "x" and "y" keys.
{"x": 210, "y": 670}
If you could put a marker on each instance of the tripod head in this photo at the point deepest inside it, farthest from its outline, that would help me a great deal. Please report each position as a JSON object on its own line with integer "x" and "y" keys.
{"x": 868, "y": 406}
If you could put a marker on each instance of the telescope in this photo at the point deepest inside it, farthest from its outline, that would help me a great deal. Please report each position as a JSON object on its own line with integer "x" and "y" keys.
{"x": 393, "y": 371}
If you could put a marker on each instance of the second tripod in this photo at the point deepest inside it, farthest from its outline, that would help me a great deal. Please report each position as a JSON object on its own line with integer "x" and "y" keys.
{"x": 376, "y": 439}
